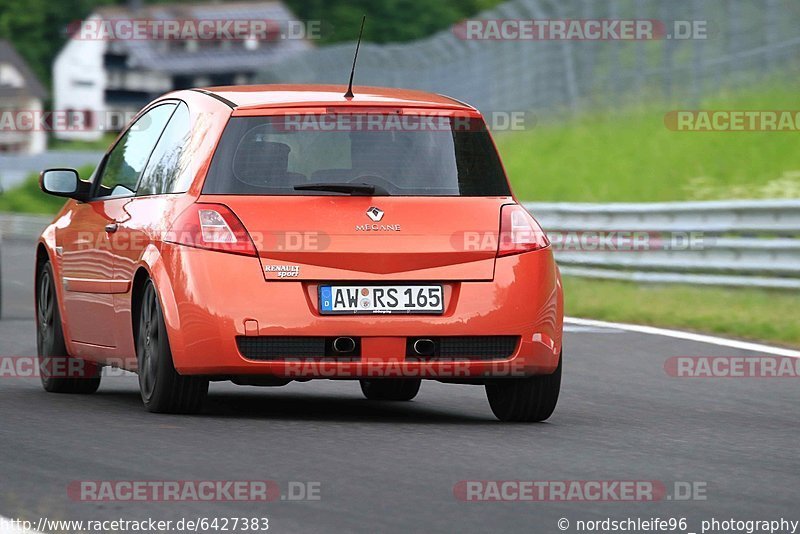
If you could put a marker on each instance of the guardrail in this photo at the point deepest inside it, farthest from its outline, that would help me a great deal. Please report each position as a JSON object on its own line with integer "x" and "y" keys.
{"x": 740, "y": 243}
{"x": 18, "y": 226}
{"x": 737, "y": 243}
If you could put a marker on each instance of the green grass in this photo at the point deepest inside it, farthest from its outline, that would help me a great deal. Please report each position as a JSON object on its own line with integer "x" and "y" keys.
{"x": 99, "y": 145}
{"x": 28, "y": 198}
{"x": 746, "y": 313}
{"x": 632, "y": 156}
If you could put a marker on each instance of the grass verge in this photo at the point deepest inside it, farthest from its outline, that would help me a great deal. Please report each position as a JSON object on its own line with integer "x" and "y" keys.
{"x": 769, "y": 316}
{"x": 98, "y": 145}
{"x": 28, "y": 198}
{"x": 631, "y": 156}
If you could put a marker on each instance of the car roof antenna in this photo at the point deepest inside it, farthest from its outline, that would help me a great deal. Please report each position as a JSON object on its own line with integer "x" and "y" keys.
{"x": 349, "y": 93}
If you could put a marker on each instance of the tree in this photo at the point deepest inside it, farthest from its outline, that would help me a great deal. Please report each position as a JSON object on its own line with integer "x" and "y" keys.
{"x": 37, "y": 28}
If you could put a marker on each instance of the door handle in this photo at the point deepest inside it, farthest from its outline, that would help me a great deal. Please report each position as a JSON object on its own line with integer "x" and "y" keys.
{"x": 112, "y": 227}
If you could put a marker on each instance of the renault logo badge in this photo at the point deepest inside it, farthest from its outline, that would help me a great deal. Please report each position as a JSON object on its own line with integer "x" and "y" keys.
{"x": 376, "y": 214}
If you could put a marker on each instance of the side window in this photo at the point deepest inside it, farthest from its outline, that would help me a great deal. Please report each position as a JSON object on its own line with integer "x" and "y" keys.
{"x": 169, "y": 164}
{"x": 127, "y": 159}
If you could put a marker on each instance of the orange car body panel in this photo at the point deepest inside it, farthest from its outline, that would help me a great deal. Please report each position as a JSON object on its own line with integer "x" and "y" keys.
{"x": 531, "y": 307}
{"x": 208, "y": 297}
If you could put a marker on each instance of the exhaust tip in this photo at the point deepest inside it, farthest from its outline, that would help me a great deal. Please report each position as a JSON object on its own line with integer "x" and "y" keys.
{"x": 424, "y": 347}
{"x": 344, "y": 345}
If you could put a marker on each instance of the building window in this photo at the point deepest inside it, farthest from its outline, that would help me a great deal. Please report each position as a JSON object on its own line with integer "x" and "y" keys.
{"x": 88, "y": 119}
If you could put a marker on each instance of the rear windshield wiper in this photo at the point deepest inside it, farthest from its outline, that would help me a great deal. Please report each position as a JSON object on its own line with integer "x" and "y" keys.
{"x": 346, "y": 188}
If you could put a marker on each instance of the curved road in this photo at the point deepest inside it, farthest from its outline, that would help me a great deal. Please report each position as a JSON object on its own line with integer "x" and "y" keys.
{"x": 385, "y": 467}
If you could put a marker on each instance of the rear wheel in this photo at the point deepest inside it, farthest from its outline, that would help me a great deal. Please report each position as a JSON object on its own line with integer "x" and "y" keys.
{"x": 59, "y": 372}
{"x": 527, "y": 399}
{"x": 392, "y": 389}
{"x": 163, "y": 390}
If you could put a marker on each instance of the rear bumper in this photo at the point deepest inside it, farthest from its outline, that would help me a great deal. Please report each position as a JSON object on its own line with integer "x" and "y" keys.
{"x": 212, "y": 298}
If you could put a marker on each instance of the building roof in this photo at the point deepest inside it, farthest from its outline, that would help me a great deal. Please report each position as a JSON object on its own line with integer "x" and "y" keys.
{"x": 264, "y": 96}
{"x": 31, "y": 84}
{"x": 160, "y": 56}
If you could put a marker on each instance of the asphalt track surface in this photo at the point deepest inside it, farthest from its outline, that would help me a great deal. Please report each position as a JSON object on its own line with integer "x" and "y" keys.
{"x": 392, "y": 467}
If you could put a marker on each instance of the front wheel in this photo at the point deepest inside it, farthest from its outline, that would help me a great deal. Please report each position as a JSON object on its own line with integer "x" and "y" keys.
{"x": 60, "y": 373}
{"x": 529, "y": 399}
{"x": 391, "y": 389}
{"x": 163, "y": 390}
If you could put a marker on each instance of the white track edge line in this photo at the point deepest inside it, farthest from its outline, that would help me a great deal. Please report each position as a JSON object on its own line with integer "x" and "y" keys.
{"x": 688, "y": 336}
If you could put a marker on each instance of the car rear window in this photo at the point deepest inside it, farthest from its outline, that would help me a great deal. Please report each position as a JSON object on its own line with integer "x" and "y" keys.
{"x": 402, "y": 155}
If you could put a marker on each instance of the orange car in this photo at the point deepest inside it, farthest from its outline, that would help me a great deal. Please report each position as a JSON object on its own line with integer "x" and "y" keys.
{"x": 264, "y": 234}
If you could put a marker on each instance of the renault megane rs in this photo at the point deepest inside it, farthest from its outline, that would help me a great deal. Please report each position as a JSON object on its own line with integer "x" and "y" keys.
{"x": 264, "y": 234}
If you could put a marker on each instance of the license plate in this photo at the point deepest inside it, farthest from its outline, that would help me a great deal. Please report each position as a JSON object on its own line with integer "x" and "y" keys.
{"x": 381, "y": 299}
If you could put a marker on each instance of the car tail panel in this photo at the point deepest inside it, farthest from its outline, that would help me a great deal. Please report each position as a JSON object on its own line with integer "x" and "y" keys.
{"x": 371, "y": 238}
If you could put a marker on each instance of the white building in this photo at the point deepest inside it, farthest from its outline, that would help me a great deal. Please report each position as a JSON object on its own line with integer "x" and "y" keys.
{"x": 21, "y": 96}
{"x": 107, "y": 80}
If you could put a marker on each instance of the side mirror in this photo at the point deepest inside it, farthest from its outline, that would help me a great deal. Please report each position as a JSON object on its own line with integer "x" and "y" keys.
{"x": 62, "y": 183}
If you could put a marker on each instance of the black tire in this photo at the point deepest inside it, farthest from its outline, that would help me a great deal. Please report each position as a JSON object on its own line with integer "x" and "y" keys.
{"x": 391, "y": 389}
{"x": 60, "y": 373}
{"x": 530, "y": 399}
{"x": 163, "y": 390}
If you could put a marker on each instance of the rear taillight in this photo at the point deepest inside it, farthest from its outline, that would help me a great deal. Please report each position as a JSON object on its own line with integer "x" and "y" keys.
{"x": 211, "y": 226}
{"x": 519, "y": 232}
